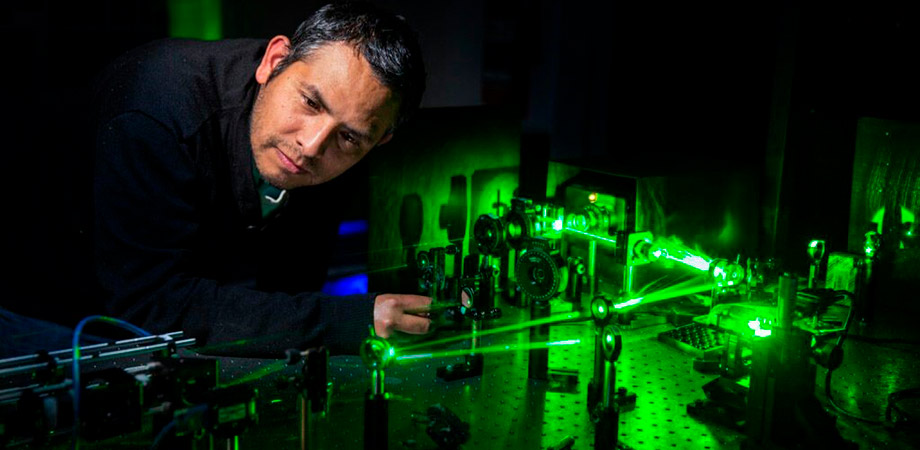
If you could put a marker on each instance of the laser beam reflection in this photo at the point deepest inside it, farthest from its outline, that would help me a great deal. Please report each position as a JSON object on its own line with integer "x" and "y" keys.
{"x": 513, "y": 327}
{"x": 483, "y": 350}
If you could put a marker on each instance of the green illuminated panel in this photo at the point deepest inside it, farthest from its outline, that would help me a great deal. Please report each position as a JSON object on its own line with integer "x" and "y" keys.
{"x": 195, "y": 19}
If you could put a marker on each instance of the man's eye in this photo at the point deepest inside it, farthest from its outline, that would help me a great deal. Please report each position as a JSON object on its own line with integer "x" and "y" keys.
{"x": 349, "y": 138}
{"x": 311, "y": 103}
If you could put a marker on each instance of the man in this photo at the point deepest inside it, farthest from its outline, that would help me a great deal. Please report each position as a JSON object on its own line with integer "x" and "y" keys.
{"x": 214, "y": 172}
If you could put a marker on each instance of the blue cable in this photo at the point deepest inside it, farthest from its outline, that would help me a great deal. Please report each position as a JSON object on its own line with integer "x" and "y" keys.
{"x": 76, "y": 363}
{"x": 162, "y": 434}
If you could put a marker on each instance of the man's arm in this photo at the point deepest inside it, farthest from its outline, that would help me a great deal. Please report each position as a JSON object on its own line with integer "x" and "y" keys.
{"x": 148, "y": 217}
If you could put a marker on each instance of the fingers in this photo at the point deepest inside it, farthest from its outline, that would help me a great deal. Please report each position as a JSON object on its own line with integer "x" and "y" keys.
{"x": 418, "y": 312}
{"x": 414, "y": 304}
{"x": 408, "y": 301}
{"x": 405, "y": 313}
{"x": 413, "y": 324}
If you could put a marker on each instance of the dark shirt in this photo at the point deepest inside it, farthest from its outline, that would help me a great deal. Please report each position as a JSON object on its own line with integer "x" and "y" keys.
{"x": 180, "y": 240}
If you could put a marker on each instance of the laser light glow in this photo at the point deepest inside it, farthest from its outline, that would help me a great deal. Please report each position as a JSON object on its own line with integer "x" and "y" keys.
{"x": 696, "y": 262}
{"x": 759, "y": 332}
{"x": 631, "y": 302}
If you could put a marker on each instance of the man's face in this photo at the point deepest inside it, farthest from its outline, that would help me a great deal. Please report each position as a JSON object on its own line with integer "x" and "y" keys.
{"x": 319, "y": 116}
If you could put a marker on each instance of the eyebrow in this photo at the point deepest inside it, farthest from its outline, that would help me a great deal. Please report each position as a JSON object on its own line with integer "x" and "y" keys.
{"x": 318, "y": 98}
{"x": 313, "y": 92}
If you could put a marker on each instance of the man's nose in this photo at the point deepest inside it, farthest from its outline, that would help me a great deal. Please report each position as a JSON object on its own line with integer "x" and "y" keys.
{"x": 315, "y": 135}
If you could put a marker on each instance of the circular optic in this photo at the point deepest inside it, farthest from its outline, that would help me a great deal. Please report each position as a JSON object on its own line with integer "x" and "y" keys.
{"x": 613, "y": 343}
{"x": 422, "y": 260}
{"x": 488, "y": 232}
{"x": 515, "y": 230}
{"x": 519, "y": 226}
{"x": 599, "y": 308}
{"x": 537, "y": 274}
{"x": 376, "y": 352}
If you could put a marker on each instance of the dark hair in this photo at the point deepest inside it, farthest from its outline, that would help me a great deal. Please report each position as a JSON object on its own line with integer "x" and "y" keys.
{"x": 385, "y": 40}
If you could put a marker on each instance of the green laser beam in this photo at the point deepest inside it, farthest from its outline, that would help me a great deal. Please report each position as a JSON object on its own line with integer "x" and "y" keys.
{"x": 505, "y": 329}
{"x": 591, "y": 236}
{"x": 483, "y": 350}
{"x": 664, "y": 294}
{"x": 631, "y": 302}
{"x": 386, "y": 269}
{"x": 213, "y": 348}
{"x": 679, "y": 252}
{"x": 694, "y": 261}
{"x": 669, "y": 293}
{"x": 267, "y": 370}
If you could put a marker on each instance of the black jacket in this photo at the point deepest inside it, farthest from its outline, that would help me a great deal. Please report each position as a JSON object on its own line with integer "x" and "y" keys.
{"x": 180, "y": 242}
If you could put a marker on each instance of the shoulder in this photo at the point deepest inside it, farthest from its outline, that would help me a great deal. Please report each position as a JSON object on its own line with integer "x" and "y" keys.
{"x": 179, "y": 82}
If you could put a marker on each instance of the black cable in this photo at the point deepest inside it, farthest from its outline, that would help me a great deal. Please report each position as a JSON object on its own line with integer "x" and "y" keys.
{"x": 894, "y": 398}
{"x": 163, "y": 433}
{"x": 871, "y": 340}
{"x": 830, "y": 373}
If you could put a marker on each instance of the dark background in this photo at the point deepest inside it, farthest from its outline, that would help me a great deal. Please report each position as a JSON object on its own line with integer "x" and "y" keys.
{"x": 625, "y": 85}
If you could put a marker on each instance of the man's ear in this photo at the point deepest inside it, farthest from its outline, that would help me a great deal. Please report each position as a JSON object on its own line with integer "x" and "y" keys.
{"x": 386, "y": 138}
{"x": 277, "y": 49}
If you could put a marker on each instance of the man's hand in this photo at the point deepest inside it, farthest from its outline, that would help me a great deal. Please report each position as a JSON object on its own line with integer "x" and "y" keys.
{"x": 401, "y": 312}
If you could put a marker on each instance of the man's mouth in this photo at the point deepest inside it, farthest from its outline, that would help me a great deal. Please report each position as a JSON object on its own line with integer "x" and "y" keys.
{"x": 289, "y": 163}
